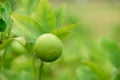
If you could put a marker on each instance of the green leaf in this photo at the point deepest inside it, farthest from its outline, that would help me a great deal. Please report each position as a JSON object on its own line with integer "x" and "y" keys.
{"x": 2, "y": 10}
{"x": 32, "y": 5}
{"x": 5, "y": 43}
{"x": 27, "y": 26}
{"x": 117, "y": 77}
{"x": 82, "y": 71}
{"x": 60, "y": 15}
{"x": 45, "y": 16}
{"x": 25, "y": 2}
{"x": 1, "y": 5}
{"x": 7, "y": 5}
{"x": 95, "y": 52}
{"x": 2, "y": 25}
{"x": 113, "y": 51}
{"x": 6, "y": 16}
{"x": 98, "y": 70}
{"x": 15, "y": 30}
{"x": 61, "y": 32}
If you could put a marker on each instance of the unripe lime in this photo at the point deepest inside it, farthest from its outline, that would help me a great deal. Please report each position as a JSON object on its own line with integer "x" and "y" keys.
{"x": 48, "y": 47}
{"x": 18, "y": 48}
{"x": 21, "y": 40}
{"x": 21, "y": 63}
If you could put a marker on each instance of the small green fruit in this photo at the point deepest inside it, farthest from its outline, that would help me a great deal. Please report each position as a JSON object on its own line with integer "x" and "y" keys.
{"x": 21, "y": 63}
{"x": 21, "y": 40}
{"x": 18, "y": 48}
{"x": 48, "y": 47}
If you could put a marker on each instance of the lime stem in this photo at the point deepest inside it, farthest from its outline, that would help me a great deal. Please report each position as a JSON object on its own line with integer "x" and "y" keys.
{"x": 5, "y": 51}
{"x": 34, "y": 68}
{"x": 40, "y": 70}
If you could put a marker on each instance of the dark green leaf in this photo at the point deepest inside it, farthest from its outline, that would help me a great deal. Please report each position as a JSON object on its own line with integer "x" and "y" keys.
{"x": 27, "y": 25}
{"x": 60, "y": 32}
{"x": 2, "y": 25}
{"x": 2, "y": 10}
{"x": 117, "y": 77}
{"x": 60, "y": 15}
{"x": 45, "y": 16}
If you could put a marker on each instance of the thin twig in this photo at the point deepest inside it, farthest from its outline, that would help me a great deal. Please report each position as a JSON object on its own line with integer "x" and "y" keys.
{"x": 5, "y": 51}
{"x": 35, "y": 68}
{"x": 40, "y": 70}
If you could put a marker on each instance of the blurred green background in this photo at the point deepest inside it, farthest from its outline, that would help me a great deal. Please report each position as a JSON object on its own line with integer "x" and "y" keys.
{"x": 91, "y": 50}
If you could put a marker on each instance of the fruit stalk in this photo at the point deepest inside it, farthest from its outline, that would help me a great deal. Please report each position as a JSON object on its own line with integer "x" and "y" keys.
{"x": 5, "y": 51}
{"x": 40, "y": 70}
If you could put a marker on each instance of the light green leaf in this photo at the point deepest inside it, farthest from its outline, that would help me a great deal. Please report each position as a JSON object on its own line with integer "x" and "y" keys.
{"x": 113, "y": 51}
{"x": 95, "y": 52}
{"x": 15, "y": 30}
{"x": 32, "y": 5}
{"x": 45, "y": 16}
{"x": 60, "y": 12}
{"x": 5, "y": 43}
{"x": 1, "y": 5}
{"x": 61, "y": 32}
{"x": 25, "y": 2}
{"x": 7, "y": 5}
{"x": 6, "y": 16}
{"x": 98, "y": 70}
{"x": 27, "y": 26}
{"x": 82, "y": 71}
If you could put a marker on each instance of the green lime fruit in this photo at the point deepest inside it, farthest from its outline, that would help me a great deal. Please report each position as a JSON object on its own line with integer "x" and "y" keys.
{"x": 21, "y": 40}
{"x": 18, "y": 48}
{"x": 2, "y": 25}
{"x": 48, "y": 47}
{"x": 21, "y": 63}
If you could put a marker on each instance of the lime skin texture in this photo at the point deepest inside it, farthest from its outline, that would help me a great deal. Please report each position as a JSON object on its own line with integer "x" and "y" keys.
{"x": 48, "y": 47}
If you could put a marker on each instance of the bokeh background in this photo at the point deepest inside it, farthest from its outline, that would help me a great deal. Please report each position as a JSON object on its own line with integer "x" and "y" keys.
{"x": 91, "y": 50}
